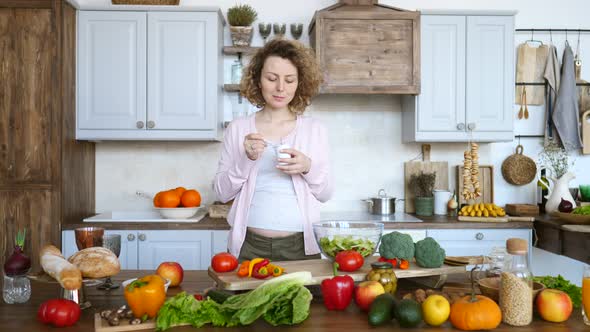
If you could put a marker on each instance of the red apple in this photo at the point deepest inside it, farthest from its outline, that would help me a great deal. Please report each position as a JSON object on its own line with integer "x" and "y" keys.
{"x": 172, "y": 271}
{"x": 366, "y": 292}
{"x": 554, "y": 305}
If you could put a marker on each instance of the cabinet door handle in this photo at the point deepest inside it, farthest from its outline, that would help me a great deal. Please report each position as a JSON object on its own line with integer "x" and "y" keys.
{"x": 142, "y": 237}
{"x": 151, "y": 124}
{"x": 130, "y": 237}
{"x": 139, "y": 124}
{"x": 471, "y": 126}
{"x": 479, "y": 236}
{"x": 460, "y": 126}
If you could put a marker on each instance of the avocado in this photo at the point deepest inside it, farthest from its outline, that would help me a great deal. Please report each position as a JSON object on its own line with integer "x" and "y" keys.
{"x": 409, "y": 313}
{"x": 382, "y": 309}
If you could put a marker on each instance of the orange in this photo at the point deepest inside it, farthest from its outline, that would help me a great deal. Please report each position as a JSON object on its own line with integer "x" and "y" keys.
{"x": 180, "y": 190}
{"x": 157, "y": 199}
{"x": 169, "y": 199}
{"x": 191, "y": 198}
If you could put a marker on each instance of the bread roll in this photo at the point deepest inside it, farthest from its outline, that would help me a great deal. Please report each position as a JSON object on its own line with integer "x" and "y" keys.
{"x": 96, "y": 262}
{"x": 54, "y": 264}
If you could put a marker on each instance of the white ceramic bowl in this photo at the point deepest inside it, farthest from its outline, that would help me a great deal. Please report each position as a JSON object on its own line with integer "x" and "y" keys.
{"x": 128, "y": 281}
{"x": 177, "y": 213}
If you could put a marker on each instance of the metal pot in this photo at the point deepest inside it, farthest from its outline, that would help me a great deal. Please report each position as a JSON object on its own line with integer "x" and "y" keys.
{"x": 382, "y": 204}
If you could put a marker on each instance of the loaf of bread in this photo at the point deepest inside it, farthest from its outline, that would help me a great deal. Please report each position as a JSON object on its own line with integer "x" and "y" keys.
{"x": 54, "y": 264}
{"x": 96, "y": 262}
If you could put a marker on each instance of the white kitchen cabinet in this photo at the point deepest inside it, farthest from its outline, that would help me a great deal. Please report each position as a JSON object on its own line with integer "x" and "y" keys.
{"x": 149, "y": 75}
{"x": 146, "y": 249}
{"x": 467, "y": 66}
{"x": 475, "y": 242}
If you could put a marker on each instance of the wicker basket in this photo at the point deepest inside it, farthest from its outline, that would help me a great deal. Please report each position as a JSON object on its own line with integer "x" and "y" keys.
{"x": 518, "y": 169}
{"x": 146, "y": 2}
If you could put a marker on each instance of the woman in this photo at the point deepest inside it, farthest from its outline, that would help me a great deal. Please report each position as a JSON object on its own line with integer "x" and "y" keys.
{"x": 276, "y": 200}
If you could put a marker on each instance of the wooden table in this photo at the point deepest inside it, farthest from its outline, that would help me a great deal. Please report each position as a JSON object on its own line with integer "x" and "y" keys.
{"x": 22, "y": 317}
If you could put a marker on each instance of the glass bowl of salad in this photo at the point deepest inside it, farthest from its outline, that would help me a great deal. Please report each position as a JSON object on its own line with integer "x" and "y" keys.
{"x": 336, "y": 236}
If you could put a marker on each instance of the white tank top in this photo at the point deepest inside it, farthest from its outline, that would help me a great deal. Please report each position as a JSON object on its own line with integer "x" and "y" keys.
{"x": 274, "y": 204}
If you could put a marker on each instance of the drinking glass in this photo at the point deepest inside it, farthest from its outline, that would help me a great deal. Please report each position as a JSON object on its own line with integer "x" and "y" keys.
{"x": 296, "y": 30}
{"x": 586, "y": 295}
{"x": 264, "y": 29}
{"x": 113, "y": 243}
{"x": 279, "y": 29}
{"x": 87, "y": 237}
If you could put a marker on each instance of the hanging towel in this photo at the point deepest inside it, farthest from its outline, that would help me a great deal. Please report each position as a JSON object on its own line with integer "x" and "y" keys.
{"x": 552, "y": 77}
{"x": 566, "y": 114}
{"x": 530, "y": 66}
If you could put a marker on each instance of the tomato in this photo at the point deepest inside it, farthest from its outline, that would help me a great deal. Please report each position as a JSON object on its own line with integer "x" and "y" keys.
{"x": 224, "y": 262}
{"x": 349, "y": 260}
{"x": 59, "y": 312}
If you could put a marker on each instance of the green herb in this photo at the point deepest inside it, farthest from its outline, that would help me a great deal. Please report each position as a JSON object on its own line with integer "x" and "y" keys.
{"x": 562, "y": 284}
{"x": 280, "y": 301}
{"x": 422, "y": 184}
{"x": 241, "y": 15}
{"x": 584, "y": 210}
{"x": 340, "y": 242}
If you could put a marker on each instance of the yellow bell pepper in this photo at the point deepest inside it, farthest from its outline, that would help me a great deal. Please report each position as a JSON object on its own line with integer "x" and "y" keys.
{"x": 252, "y": 263}
{"x": 275, "y": 270}
{"x": 145, "y": 296}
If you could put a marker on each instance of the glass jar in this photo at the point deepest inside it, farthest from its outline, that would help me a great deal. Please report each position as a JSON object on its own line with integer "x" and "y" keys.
{"x": 383, "y": 273}
{"x": 516, "y": 285}
{"x": 16, "y": 289}
{"x": 236, "y": 72}
{"x": 499, "y": 259}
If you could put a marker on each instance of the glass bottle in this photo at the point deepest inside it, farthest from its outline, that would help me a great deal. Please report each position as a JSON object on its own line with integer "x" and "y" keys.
{"x": 542, "y": 191}
{"x": 383, "y": 273}
{"x": 16, "y": 289}
{"x": 516, "y": 285}
{"x": 236, "y": 72}
{"x": 498, "y": 260}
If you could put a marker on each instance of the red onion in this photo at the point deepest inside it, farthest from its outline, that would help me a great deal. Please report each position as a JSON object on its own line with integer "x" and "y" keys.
{"x": 18, "y": 263}
{"x": 565, "y": 206}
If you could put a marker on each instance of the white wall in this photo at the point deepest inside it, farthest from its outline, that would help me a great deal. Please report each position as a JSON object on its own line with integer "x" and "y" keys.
{"x": 365, "y": 131}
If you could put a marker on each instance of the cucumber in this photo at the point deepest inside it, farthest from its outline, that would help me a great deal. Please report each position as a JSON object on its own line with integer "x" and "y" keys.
{"x": 218, "y": 296}
{"x": 381, "y": 310}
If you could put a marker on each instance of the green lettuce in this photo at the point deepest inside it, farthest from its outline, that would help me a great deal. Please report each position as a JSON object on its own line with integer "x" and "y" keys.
{"x": 280, "y": 301}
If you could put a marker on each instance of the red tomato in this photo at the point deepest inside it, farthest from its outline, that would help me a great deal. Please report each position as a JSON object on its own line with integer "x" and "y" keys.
{"x": 59, "y": 312}
{"x": 224, "y": 262}
{"x": 349, "y": 260}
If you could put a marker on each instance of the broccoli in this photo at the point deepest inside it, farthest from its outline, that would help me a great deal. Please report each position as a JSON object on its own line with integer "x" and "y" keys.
{"x": 397, "y": 245}
{"x": 429, "y": 253}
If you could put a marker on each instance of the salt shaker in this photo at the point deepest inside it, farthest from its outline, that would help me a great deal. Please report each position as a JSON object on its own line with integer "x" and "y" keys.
{"x": 516, "y": 286}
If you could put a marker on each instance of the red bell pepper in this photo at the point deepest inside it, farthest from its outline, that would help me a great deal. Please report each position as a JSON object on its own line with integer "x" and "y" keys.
{"x": 59, "y": 312}
{"x": 260, "y": 270}
{"x": 393, "y": 261}
{"x": 337, "y": 291}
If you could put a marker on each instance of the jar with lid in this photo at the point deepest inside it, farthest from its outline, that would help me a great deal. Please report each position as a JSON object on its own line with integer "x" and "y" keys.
{"x": 516, "y": 285}
{"x": 499, "y": 259}
{"x": 236, "y": 72}
{"x": 383, "y": 273}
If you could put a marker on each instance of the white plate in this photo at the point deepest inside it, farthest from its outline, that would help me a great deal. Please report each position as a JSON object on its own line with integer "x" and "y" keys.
{"x": 143, "y": 216}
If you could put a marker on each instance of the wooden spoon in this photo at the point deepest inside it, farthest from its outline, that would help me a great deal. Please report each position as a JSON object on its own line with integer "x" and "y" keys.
{"x": 526, "y": 108}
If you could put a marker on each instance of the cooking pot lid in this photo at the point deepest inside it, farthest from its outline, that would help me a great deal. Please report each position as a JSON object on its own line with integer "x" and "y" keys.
{"x": 382, "y": 195}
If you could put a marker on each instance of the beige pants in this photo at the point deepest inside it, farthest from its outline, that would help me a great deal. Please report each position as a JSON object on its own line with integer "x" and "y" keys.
{"x": 288, "y": 248}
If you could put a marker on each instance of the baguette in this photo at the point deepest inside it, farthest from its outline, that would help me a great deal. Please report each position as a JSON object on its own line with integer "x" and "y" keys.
{"x": 54, "y": 264}
{"x": 96, "y": 262}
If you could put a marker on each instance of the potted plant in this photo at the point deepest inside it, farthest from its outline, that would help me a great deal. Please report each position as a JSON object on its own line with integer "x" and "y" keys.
{"x": 240, "y": 19}
{"x": 422, "y": 185}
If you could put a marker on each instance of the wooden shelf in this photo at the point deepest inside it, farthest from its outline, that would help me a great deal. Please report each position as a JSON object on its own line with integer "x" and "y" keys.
{"x": 231, "y": 87}
{"x": 229, "y": 50}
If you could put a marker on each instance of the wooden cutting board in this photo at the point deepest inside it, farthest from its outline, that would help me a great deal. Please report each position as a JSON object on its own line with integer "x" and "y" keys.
{"x": 322, "y": 269}
{"x": 101, "y": 325}
{"x": 486, "y": 182}
{"x": 495, "y": 219}
{"x": 586, "y": 132}
{"x": 441, "y": 168}
{"x": 522, "y": 209}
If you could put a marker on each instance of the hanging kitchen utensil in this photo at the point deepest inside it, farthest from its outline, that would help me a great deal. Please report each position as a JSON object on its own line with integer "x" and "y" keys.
{"x": 526, "y": 108}
{"x": 519, "y": 169}
{"x": 586, "y": 132}
{"x": 578, "y": 60}
{"x": 521, "y": 109}
{"x": 530, "y": 68}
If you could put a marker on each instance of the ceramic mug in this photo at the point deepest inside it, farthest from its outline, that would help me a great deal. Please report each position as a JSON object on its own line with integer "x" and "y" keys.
{"x": 441, "y": 198}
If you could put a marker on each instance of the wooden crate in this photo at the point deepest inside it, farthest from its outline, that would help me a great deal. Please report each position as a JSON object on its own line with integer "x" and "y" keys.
{"x": 486, "y": 181}
{"x": 367, "y": 48}
{"x": 146, "y": 2}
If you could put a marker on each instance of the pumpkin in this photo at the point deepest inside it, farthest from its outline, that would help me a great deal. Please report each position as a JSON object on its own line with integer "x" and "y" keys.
{"x": 475, "y": 312}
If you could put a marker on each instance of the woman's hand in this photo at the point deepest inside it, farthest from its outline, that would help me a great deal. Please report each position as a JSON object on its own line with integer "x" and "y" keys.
{"x": 254, "y": 145}
{"x": 299, "y": 163}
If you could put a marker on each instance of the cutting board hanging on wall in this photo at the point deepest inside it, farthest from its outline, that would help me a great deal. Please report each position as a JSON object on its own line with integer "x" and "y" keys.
{"x": 441, "y": 168}
{"x": 586, "y": 132}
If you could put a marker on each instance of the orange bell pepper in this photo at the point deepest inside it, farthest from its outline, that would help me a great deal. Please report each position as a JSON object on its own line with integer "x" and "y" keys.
{"x": 243, "y": 270}
{"x": 145, "y": 295}
{"x": 404, "y": 264}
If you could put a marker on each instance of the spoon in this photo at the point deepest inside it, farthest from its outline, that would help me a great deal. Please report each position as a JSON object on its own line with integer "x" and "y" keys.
{"x": 526, "y": 108}
{"x": 520, "y": 111}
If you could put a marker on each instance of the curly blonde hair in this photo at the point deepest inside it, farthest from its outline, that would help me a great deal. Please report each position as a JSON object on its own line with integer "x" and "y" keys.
{"x": 308, "y": 72}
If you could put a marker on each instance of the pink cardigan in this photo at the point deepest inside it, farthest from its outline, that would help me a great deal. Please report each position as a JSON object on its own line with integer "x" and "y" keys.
{"x": 236, "y": 178}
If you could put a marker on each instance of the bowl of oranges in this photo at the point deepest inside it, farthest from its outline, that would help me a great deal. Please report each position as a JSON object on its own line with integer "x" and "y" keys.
{"x": 177, "y": 203}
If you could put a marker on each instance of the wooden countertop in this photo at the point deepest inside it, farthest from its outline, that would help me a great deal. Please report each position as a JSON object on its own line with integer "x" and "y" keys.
{"x": 207, "y": 223}
{"x": 22, "y": 317}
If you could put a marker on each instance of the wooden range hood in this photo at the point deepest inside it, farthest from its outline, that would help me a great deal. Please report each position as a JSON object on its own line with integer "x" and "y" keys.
{"x": 367, "y": 48}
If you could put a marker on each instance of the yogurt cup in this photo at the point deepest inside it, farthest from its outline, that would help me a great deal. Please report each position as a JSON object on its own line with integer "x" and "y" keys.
{"x": 282, "y": 154}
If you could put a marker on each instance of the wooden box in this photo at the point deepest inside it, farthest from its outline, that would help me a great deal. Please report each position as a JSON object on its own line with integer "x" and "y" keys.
{"x": 367, "y": 48}
{"x": 522, "y": 209}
